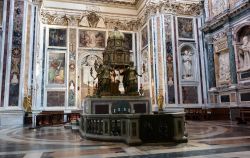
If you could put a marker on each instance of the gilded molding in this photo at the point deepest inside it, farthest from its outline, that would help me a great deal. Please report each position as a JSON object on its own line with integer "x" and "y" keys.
{"x": 192, "y": 9}
{"x": 56, "y": 18}
{"x": 51, "y": 18}
{"x": 131, "y": 24}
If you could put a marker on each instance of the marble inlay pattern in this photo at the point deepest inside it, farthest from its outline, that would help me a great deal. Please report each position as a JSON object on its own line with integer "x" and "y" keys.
{"x": 16, "y": 54}
{"x": 206, "y": 139}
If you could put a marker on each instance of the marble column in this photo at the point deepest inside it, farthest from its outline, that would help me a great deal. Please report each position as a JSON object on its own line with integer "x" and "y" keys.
{"x": 210, "y": 63}
{"x": 233, "y": 73}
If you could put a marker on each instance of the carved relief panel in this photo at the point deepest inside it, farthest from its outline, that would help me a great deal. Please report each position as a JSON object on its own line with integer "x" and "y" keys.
{"x": 218, "y": 6}
{"x": 221, "y": 59}
{"x": 223, "y": 67}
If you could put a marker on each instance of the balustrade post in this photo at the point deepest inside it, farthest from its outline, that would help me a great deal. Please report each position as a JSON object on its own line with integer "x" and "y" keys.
{"x": 133, "y": 136}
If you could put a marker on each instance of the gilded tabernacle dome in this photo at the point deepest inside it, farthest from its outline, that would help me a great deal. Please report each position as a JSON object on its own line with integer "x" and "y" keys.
{"x": 116, "y": 34}
{"x": 116, "y": 54}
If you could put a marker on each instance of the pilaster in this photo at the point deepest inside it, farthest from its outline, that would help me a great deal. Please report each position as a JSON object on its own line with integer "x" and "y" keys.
{"x": 233, "y": 73}
{"x": 210, "y": 63}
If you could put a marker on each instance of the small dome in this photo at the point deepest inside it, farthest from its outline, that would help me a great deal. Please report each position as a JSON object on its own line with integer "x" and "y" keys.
{"x": 116, "y": 34}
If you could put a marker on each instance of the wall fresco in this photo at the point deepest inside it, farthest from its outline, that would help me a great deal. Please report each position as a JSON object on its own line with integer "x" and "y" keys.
{"x": 55, "y": 98}
{"x": 189, "y": 95}
{"x": 92, "y": 39}
{"x": 128, "y": 40}
{"x": 185, "y": 27}
{"x": 57, "y": 37}
{"x": 56, "y": 71}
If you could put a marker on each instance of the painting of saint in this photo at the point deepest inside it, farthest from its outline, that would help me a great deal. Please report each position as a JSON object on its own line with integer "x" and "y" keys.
{"x": 128, "y": 40}
{"x": 92, "y": 39}
{"x": 57, "y": 37}
{"x": 189, "y": 95}
{"x": 71, "y": 93}
{"x": 144, "y": 37}
{"x": 55, "y": 98}
{"x": 56, "y": 72}
{"x": 185, "y": 28}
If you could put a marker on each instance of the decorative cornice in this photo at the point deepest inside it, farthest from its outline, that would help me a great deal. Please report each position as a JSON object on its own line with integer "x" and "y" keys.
{"x": 123, "y": 23}
{"x": 222, "y": 18}
{"x": 192, "y": 9}
{"x": 112, "y": 3}
{"x": 60, "y": 18}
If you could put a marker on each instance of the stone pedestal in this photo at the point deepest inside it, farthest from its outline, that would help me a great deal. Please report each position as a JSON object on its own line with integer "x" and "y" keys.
{"x": 116, "y": 105}
{"x": 11, "y": 117}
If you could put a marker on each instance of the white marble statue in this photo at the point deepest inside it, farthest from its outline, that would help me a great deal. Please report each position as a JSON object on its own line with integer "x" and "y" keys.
{"x": 244, "y": 54}
{"x": 187, "y": 64}
{"x": 71, "y": 94}
{"x": 72, "y": 87}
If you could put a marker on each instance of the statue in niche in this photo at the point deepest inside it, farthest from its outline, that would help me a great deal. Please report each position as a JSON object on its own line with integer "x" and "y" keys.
{"x": 244, "y": 54}
{"x": 170, "y": 69}
{"x": 71, "y": 94}
{"x": 187, "y": 64}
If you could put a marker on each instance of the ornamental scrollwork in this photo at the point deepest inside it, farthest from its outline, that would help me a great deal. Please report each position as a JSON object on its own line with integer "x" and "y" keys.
{"x": 174, "y": 7}
{"x": 90, "y": 20}
{"x": 51, "y": 18}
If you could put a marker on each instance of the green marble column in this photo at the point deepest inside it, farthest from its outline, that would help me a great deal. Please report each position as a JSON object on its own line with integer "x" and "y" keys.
{"x": 210, "y": 64}
{"x": 233, "y": 73}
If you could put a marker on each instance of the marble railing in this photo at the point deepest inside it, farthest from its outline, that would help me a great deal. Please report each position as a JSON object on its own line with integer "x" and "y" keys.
{"x": 134, "y": 128}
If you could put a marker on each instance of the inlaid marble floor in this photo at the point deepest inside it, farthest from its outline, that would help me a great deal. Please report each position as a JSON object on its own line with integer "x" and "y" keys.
{"x": 207, "y": 139}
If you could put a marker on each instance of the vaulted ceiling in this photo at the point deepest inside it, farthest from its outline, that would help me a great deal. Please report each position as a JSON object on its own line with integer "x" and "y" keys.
{"x": 103, "y": 2}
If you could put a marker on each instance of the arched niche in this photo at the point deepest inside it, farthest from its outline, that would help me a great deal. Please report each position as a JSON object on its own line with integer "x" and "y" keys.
{"x": 187, "y": 62}
{"x": 85, "y": 80}
{"x": 242, "y": 47}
